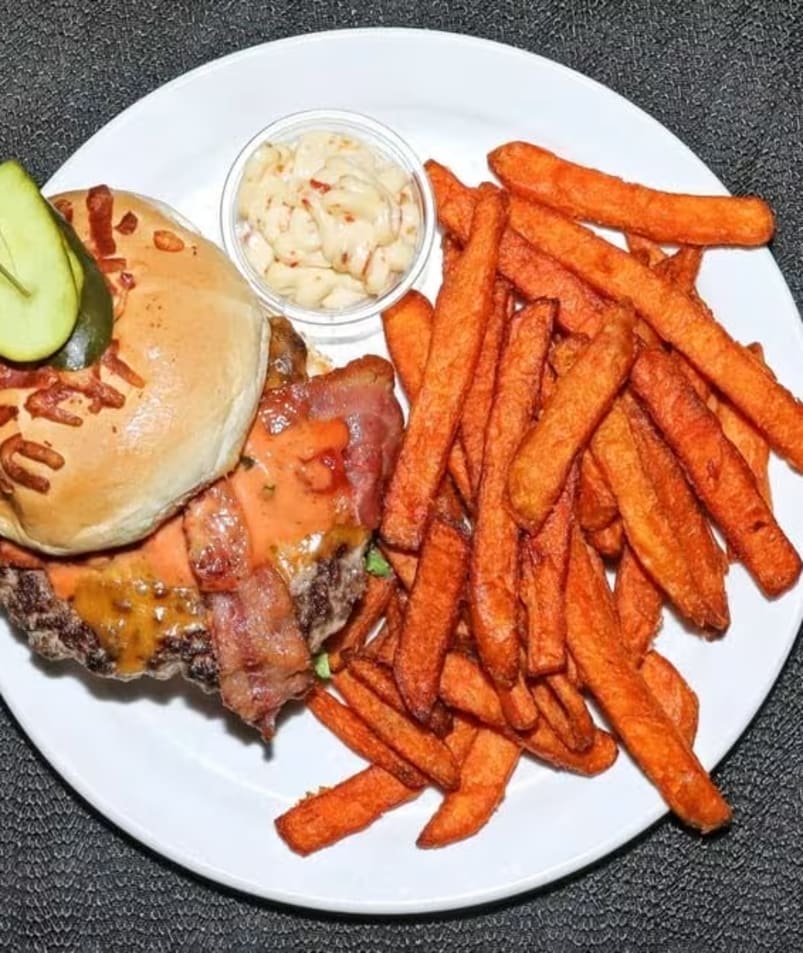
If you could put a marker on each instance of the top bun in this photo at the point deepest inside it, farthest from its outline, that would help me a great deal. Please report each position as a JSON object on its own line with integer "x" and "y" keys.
{"x": 193, "y": 332}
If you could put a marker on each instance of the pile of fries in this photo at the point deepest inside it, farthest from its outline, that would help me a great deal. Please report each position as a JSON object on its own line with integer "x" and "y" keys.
{"x": 575, "y": 408}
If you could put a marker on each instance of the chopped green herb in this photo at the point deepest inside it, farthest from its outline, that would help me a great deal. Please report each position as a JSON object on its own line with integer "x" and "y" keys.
{"x": 247, "y": 462}
{"x": 321, "y": 665}
{"x": 376, "y": 564}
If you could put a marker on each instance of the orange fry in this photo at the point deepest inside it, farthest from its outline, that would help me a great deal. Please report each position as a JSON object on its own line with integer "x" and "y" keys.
{"x": 477, "y": 408}
{"x": 414, "y": 743}
{"x": 367, "y": 612}
{"x": 518, "y": 705}
{"x": 493, "y": 580}
{"x": 382, "y": 648}
{"x": 466, "y": 687}
{"x": 681, "y": 268}
{"x": 647, "y": 251}
{"x": 489, "y": 764}
{"x": 554, "y": 715}
{"x": 405, "y": 565}
{"x": 679, "y": 319}
{"x": 544, "y": 562}
{"x": 638, "y": 604}
{"x": 718, "y": 471}
{"x": 747, "y": 440}
{"x": 534, "y": 274}
{"x": 705, "y": 558}
{"x": 354, "y": 733}
{"x": 322, "y": 819}
{"x": 610, "y": 540}
{"x": 586, "y": 193}
{"x": 575, "y": 707}
{"x": 596, "y": 505}
{"x": 460, "y": 738}
{"x": 408, "y": 330}
{"x": 606, "y": 668}
{"x": 461, "y": 312}
{"x": 546, "y": 746}
{"x": 672, "y": 693}
{"x": 647, "y": 526}
{"x": 580, "y": 400}
{"x": 430, "y": 618}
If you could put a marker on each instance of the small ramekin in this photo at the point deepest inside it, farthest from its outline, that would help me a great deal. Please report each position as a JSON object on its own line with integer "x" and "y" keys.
{"x": 384, "y": 141}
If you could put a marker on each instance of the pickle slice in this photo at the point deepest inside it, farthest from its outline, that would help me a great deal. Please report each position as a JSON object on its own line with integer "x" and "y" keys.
{"x": 38, "y": 293}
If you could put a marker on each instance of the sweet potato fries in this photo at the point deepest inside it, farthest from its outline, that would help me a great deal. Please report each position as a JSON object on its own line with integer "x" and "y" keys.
{"x": 606, "y": 416}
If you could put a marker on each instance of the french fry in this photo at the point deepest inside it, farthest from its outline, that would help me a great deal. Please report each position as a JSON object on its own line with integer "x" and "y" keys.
{"x": 638, "y": 604}
{"x": 728, "y": 489}
{"x": 605, "y": 666}
{"x": 467, "y": 688}
{"x": 586, "y": 193}
{"x": 544, "y": 562}
{"x": 647, "y": 251}
{"x": 493, "y": 578}
{"x": 518, "y": 706}
{"x": 381, "y": 648}
{"x": 322, "y": 819}
{"x": 535, "y": 275}
{"x": 430, "y": 617}
{"x": 706, "y": 559}
{"x": 747, "y": 440}
{"x": 681, "y": 268}
{"x": 679, "y": 319}
{"x": 405, "y": 565}
{"x": 477, "y": 408}
{"x": 608, "y": 541}
{"x": 574, "y": 705}
{"x": 554, "y": 715}
{"x": 544, "y": 744}
{"x": 647, "y": 526}
{"x": 581, "y": 399}
{"x": 461, "y": 312}
{"x": 672, "y": 693}
{"x": 414, "y": 743}
{"x": 460, "y": 738}
{"x": 408, "y": 330}
{"x": 596, "y": 505}
{"x": 367, "y": 612}
{"x": 355, "y": 734}
{"x": 489, "y": 764}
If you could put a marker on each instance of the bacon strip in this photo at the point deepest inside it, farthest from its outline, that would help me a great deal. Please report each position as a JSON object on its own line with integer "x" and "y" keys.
{"x": 116, "y": 365}
{"x": 100, "y": 204}
{"x": 127, "y": 224}
{"x": 218, "y": 544}
{"x": 8, "y": 412}
{"x": 262, "y": 657}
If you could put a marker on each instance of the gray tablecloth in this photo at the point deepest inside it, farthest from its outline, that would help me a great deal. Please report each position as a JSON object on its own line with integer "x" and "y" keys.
{"x": 726, "y": 77}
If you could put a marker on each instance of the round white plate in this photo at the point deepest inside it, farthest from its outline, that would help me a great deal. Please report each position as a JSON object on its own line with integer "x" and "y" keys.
{"x": 165, "y": 763}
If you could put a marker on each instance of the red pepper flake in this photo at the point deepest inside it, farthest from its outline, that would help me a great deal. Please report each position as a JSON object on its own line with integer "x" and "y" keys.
{"x": 165, "y": 240}
{"x": 319, "y": 186}
{"x": 348, "y": 217}
{"x": 100, "y": 204}
{"x": 109, "y": 265}
{"x": 127, "y": 224}
{"x": 64, "y": 208}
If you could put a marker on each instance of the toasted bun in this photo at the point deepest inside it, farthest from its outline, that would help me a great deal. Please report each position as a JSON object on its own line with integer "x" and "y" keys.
{"x": 194, "y": 333}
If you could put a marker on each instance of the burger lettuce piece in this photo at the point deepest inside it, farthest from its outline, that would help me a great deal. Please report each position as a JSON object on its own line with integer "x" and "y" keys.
{"x": 38, "y": 295}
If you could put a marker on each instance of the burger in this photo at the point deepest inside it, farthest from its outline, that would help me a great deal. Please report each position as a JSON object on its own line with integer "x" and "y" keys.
{"x": 194, "y": 501}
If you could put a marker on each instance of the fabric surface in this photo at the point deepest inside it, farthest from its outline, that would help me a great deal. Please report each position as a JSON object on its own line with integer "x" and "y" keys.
{"x": 726, "y": 78}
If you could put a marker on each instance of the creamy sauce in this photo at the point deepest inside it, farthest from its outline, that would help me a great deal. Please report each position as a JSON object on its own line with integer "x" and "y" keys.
{"x": 326, "y": 221}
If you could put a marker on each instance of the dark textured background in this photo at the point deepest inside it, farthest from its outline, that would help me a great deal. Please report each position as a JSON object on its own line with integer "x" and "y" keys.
{"x": 726, "y": 77}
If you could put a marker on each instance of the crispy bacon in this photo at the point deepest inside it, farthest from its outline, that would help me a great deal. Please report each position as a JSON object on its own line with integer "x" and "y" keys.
{"x": 13, "y": 555}
{"x": 37, "y": 452}
{"x": 64, "y": 208}
{"x": 110, "y": 265}
{"x": 167, "y": 240}
{"x": 218, "y": 543}
{"x": 116, "y": 365}
{"x": 23, "y": 378}
{"x": 100, "y": 205}
{"x": 46, "y": 402}
{"x": 127, "y": 224}
{"x": 262, "y": 657}
{"x": 8, "y": 412}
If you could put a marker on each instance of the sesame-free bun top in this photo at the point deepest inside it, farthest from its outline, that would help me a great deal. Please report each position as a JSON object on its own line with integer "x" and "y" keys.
{"x": 193, "y": 332}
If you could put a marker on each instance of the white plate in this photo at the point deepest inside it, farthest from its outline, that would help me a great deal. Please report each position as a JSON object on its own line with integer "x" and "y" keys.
{"x": 162, "y": 762}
